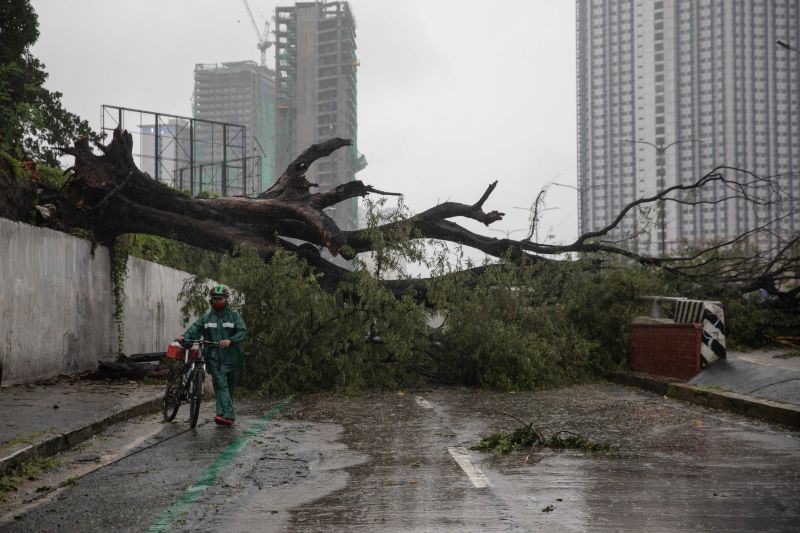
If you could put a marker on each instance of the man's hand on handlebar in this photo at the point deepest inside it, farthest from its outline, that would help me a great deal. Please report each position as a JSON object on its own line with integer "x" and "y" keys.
{"x": 184, "y": 342}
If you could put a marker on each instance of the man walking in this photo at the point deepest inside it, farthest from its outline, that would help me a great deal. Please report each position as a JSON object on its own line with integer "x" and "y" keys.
{"x": 223, "y": 325}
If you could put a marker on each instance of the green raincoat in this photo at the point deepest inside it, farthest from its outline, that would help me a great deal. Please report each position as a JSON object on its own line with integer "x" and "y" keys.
{"x": 225, "y": 364}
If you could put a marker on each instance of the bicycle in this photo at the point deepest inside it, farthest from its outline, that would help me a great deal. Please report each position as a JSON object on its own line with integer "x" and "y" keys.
{"x": 185, "y": 381}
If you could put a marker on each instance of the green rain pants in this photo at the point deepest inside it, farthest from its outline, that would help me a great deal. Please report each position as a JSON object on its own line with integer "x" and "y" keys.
{"x": 224, "y": 376}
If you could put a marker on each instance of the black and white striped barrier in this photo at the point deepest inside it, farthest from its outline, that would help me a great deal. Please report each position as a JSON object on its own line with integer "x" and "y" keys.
{"x": 712, "y": 317}
{"x": 708, "y": 313}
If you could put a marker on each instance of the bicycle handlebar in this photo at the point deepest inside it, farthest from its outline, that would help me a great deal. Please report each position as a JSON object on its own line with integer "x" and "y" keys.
{"x": 200, "y": 341}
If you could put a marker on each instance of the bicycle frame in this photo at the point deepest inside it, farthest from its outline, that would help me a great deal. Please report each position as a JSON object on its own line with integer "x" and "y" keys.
{"x": 194, "y": 363}
{"x": 185, "y": 382}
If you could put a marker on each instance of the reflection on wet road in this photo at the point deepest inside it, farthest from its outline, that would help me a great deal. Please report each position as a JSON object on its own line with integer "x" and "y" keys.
{"x": 672, "y": 466}
{"x": 401, "y": 462}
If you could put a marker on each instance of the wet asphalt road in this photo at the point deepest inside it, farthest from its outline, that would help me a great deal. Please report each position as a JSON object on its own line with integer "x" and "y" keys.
{"x": 398, "y": 462}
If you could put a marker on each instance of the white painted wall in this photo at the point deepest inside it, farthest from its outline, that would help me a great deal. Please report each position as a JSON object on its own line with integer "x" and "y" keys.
{"x": 56, "y": 304}
{"x": 152, "y": 311}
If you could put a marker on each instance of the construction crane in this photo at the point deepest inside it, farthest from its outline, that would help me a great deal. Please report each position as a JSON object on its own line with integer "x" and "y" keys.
{"x": 263, "y": 43}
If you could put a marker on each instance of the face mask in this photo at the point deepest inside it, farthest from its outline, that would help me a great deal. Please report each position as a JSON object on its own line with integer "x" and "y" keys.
{"x": 218, "y": 304}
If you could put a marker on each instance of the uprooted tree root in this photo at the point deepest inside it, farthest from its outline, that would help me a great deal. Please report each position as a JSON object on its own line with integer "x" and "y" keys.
{"x": 530, "y": 437}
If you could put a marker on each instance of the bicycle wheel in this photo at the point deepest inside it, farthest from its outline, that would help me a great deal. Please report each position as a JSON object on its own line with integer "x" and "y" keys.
{"x": 196, "y": 396}
{"x": 172, "y": 394}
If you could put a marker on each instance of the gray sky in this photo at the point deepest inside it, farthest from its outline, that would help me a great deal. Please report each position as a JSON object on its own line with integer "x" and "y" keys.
{"x": 452, "y": 94}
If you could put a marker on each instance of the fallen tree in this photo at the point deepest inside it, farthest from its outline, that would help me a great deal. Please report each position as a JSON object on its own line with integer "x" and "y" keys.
{"x": 109, "y": 196}
{"x": 569, "y": 324}
{"x": 539, "y": 315}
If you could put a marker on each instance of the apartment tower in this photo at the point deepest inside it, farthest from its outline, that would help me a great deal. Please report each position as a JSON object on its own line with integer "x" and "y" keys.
{"x": 670, "y": 89}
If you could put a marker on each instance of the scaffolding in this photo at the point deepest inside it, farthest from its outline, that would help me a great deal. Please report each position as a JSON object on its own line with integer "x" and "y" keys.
{"x": 189, "y": 154}
{"x": 316, "y": 92}
{"x": 240, "y": 92}
{"x": 285, "y": 75}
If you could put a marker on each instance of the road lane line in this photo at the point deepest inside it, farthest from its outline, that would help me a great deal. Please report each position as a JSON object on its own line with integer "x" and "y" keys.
{"x": 422, "y": 402}
{"x": 208, "y": 477}
{"x": 474, "y": 473}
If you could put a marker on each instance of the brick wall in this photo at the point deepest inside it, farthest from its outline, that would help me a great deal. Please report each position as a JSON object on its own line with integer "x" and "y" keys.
{"x": 667, "y": 350}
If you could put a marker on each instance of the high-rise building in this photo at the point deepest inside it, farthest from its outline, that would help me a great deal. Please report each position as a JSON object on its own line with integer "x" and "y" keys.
{"x": 315, "y": 64}
{"x": 668, "y": 90}
{"x": 242, "y": 93}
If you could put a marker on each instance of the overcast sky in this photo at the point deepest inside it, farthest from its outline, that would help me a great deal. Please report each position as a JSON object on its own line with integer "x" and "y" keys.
{"x": 452, "y": 94}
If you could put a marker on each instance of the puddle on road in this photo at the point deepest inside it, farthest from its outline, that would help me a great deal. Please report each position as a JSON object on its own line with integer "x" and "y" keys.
{"x": 411, "y": 482}
{"x": 381, "y": 462}
{"x": 283, "y": 467}
{"x": 672, "y": 465}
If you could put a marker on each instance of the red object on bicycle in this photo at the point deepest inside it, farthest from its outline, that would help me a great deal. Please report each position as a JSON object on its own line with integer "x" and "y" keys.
{"x": 174, "y": 351}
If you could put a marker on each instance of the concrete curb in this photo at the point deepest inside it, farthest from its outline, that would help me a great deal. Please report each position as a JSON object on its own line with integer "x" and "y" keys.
{"x": 743, "y": 404}
{"x": 63, "y": 441}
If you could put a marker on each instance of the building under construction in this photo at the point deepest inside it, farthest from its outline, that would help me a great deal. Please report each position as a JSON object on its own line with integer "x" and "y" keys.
{"x": 315, "y": 66}
{"x": 241, "y": 92}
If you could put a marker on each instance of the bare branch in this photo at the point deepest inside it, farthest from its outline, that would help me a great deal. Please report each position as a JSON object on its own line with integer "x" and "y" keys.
{"x": 126, "y": 200}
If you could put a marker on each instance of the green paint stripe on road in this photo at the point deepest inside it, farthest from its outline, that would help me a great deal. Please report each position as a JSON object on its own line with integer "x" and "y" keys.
{"x": 209, "y": 476}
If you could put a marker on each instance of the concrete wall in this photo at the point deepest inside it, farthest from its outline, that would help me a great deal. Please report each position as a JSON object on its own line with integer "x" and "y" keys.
{"x": 152, "y": 311}
{"x": 56, "y": 304}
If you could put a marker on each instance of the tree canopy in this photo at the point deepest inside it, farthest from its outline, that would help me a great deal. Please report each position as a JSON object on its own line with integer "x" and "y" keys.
{"x": 33, "y": 123}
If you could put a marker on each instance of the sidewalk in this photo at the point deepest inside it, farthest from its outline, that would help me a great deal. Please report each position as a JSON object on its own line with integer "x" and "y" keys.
{"x": 763, "y": 374}
{"x": 43, "y": 419}
{"x": 759, "y": 384}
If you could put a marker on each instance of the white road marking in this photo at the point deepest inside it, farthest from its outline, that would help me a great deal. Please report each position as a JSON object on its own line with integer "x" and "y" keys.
{"x": 474, "y": 473}
{"x": 422, "y": 402}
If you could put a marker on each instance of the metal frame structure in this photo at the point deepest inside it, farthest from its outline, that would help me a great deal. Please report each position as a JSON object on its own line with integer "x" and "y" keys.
{"x": 240, "y": 92}
{"x": 195, "y": 155}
